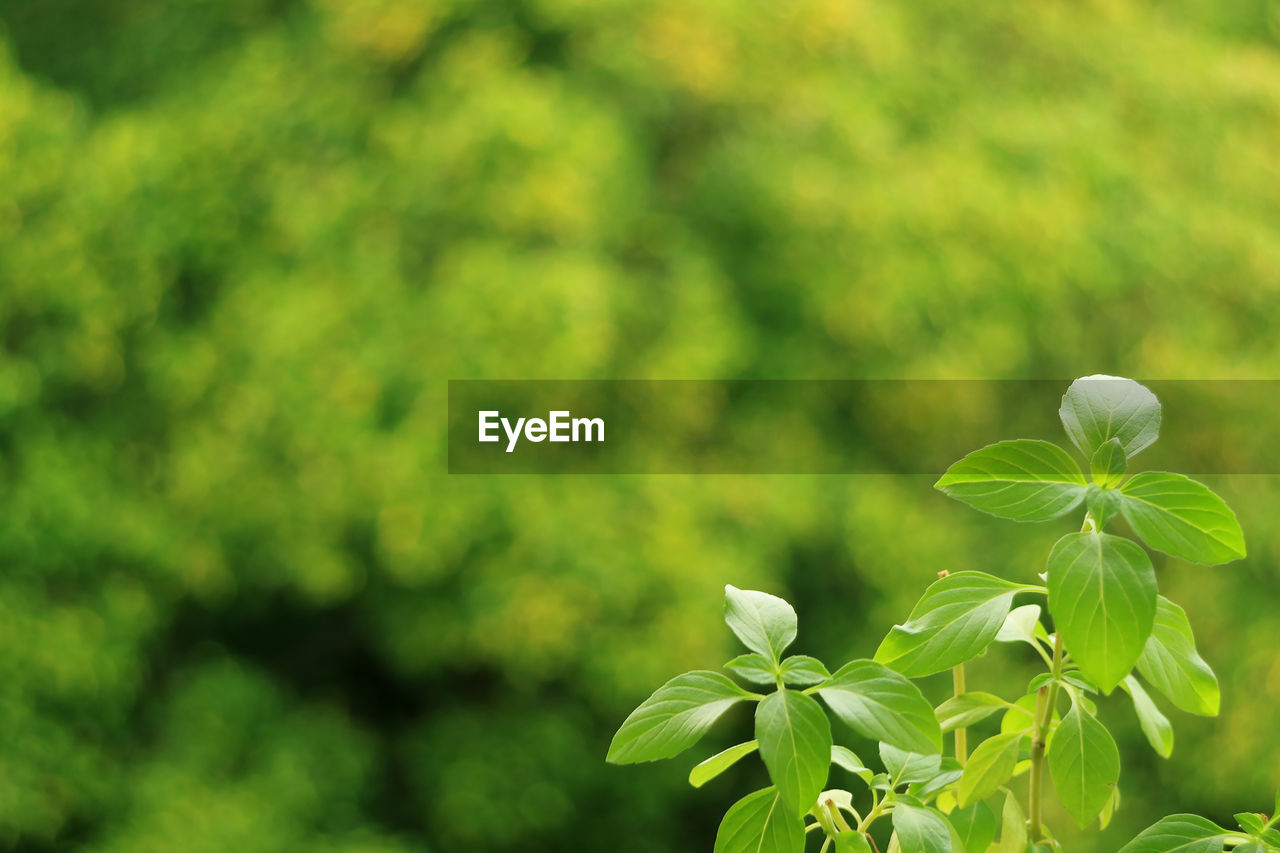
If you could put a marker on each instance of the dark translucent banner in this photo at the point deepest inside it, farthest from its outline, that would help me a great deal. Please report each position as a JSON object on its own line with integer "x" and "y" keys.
{"x": 825, "y": 426}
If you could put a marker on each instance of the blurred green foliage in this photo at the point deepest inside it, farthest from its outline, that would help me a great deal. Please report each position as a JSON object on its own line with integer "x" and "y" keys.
{"x": 243, "y": 244}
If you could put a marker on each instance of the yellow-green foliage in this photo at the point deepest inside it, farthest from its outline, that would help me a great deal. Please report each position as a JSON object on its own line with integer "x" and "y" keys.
{"x": 243, "y": 244}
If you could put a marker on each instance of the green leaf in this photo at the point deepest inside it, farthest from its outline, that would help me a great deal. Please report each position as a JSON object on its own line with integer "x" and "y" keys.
{"x": 753, "y": 668}
{"x": 674, "y": 717}
{"x": 847, "y": 759}
{"x": 1098, "y": 408}
{"x": 1024, "y": 479}
{"x": 1022, "y": 625}
{"x": 1182, "y": 517}
{"x": 760, "y": 823}
{"x": 954, "y": 621}
{"x": 1171, "y": 664}
{"x": 1102, "y": 594}
{"x": 802, "y": 669}
{"x": 795, "y": 743}
{"x": 949, "y": 770}
{"x": 850, "y": 841}
{"x": 975, "y": 826}
{"x": 921, "y": 830}
{"x": 1103, "y": 504}
{"x": 1107, "y": 464}
{"x": 907, "y": 767}
{"x": 764, "y": 623}
{"x": 1013, "y": 827}
{"x": 1155, "y": 725}
{"x": 707, "y": 770}
{"x": 1084, "y": 763}
{"x": 967, "y": 709}
{"x": 883, "y": 705}
{"x": 1109, "y": 810}
{"x": 1021, "y": 716}
{"x": 1180, "y": 833}
{"x": 1254, "y": 824}
{"x": 989, "y": 767}
{"x": 1075, "y": 680}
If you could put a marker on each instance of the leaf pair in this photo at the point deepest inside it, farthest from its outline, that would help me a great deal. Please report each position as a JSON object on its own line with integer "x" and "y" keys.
{"x": 1109, "y": 420}
{"x": 1033, "y": 480}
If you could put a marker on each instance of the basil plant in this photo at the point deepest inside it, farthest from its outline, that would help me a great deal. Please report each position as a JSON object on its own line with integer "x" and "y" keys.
{"x": 1097, "y": 623}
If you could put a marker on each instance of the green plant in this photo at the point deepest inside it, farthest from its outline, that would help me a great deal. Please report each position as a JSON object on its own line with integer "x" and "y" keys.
{"x": 1110, "y": 626}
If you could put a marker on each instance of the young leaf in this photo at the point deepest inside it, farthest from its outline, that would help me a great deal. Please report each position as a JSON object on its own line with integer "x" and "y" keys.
{"x": 975, "y": 827}
{"x": 883, "y": 705}
{"x": 847, "y": 759}
{"x": 1107, "y": 464}
{"x": 764, "y": 623}
{"x": 1084, "y": 763}
{"x": 1020, "y": 625}
{"x": 674, "y": 717}
{"x": 967, "y": 709}
{"x": 836, "y": 798}
{"x": 954, "y": 621}
{"x": 1180, "y": 833}
{"x": 1098, "y": 408}
{"x": 1254, "y": 824}
{"x": 753, "y": 668}
{"x": 1024, "y": 479}
{"x": 1103, "y": 504}
{"x": 907, "y": 767}
{"x": 1155, "y": 725}
{"x": 990, "y": 766}
{"x": 1182, "y": 517}
{"x": 760, "y": 823}
{"x": 1013, "y": 827}
{"x": 1109, "y": 810}
{"x": 1102, "y": 594}
{"x": 795, "y": 743}
{"x": 921, "y": 830}
{"x": 707, "y": 770}
{"x": 802, "y": 669}
{"x": 1171, "y": 664}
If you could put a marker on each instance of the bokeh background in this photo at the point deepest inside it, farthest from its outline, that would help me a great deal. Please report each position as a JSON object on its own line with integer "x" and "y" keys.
{"x": 243, "y": 244}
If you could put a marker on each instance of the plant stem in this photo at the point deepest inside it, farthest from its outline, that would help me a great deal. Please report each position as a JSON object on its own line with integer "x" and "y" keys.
{"x": 1046, "y": 699}
{"x": 878, "y": 808}
{"x": 962, "y": 735}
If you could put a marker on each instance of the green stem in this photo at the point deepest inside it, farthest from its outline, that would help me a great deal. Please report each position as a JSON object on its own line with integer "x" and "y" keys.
{"x": 837, "y": 818}
{"x": 962, "y": 734}
{"x": 1037, "y": 769}
{"x": 1046, "y": 700}
{"x": 878, "y": 808}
